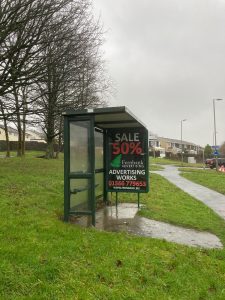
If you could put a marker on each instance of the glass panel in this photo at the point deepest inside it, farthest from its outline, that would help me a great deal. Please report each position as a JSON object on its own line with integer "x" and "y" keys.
{"x": 98, "y": 150}
{"x": 98, "y": 184}
{"x": 80, "y": 194}
{"x": 79, "y": 147}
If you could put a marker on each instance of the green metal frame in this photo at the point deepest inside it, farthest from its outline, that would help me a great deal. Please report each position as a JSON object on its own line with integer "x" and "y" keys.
{"x": 66, "y": 170}
{"x": 68, "y": 175}
{"x": 105, "y": 153}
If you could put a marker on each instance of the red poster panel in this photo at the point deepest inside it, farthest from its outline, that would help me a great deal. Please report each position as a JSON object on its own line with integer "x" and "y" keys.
{"x": 127, "y": 163}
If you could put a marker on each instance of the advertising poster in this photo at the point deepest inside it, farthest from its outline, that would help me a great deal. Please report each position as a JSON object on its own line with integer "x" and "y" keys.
{"x": 127, "y": 169}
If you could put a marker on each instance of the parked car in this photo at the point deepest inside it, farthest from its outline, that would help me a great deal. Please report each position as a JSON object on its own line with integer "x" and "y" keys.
{"x": 211, "y": 162}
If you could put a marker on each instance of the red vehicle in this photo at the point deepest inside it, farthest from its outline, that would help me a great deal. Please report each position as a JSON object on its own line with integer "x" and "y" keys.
{"x": 211, "y": 162}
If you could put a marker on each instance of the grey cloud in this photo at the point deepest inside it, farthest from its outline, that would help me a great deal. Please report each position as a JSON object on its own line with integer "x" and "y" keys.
{"x": 168, "y": 61}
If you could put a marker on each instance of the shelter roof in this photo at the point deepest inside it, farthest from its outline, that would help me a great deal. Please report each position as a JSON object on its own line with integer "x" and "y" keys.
{"x": 109, "y": 117}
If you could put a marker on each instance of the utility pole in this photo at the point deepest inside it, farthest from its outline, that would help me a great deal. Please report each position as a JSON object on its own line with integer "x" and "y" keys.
{"x": 181, "y": 140}
{"x": 215, "y": 143}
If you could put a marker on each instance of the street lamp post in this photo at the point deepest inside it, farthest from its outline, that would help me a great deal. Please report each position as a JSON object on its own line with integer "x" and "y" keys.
{"x": 181, "y": 139}
{"x": 214, "y": 115}
{"x": 203, "y": 158}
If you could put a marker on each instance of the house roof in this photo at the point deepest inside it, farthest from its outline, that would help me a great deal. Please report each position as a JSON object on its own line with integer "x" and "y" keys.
{"x": 34, "y": 132}
{"x": 10, "y": 129}
{"x": 177, "y": 141}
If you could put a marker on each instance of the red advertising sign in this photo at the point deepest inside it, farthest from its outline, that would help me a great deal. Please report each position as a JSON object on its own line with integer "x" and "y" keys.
{"x": 127, "y": 167}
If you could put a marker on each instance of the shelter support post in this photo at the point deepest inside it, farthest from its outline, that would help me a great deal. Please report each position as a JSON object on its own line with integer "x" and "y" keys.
{"x": 138, "y": 200}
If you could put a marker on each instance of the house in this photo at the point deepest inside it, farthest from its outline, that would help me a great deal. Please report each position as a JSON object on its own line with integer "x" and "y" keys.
{"x": 31, "y": 135}
{"x": 174, "y": 146}
{"x": 155, "y": 146}
{"x": 35, "y": 136}
{"x": 160, "y": 146}
{"x": 13, "y": 134}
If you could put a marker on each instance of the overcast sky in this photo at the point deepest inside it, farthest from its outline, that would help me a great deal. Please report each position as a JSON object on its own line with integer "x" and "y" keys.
{"x": 167, "y": 59}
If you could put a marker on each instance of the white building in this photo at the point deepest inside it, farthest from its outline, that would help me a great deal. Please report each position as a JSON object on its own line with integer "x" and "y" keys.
{"x": 31, "y": 135}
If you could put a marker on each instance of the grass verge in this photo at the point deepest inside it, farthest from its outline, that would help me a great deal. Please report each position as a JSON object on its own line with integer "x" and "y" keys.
{"x": 155, "y": 167}
{"x": 43, "y": 258}
{"x": 209, "y": 178}
{"x": 167, "y": 161}
{"x": 168, "y": 203}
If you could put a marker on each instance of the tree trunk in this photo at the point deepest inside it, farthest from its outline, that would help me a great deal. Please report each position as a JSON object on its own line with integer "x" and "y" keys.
{"x": 59, "y": 146}
{"x": 18, "y": 120}
{"x": 24, "y": 99}
{"x": 60, "y": 137}
{"x": 6, "y": 138}
{"x": 19, "y": 145}
{"x": 50, "y": 126}
{"x": 50, "y": 149}
{"x": 23, "y": 139}
{"x": 6, "y": 129}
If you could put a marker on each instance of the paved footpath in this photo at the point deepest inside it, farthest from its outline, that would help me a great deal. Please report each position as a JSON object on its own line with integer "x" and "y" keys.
{"x": 125, "y": 218}
{"x": 214, "y": 200}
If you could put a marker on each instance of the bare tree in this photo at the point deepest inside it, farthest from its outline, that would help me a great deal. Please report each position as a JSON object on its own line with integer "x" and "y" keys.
{"x": 22, "y": 23}
{"x": 49, "y": 60}
{"x": 73, "y": 67}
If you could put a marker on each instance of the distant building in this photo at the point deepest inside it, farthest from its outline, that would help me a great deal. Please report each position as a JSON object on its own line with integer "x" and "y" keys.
{"x": 167, "y": 146}
{"x": 13, "y": 134}
{"x": 31, "y": 135}
{"x": 174, "y": 146}
{"x": 155, "y": 146}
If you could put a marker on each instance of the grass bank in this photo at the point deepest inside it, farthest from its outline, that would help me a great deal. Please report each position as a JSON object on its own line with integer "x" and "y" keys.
{"x": 209, "y": 178}
{"x": 167, "y": 161}
{"x": 43, "y": 258}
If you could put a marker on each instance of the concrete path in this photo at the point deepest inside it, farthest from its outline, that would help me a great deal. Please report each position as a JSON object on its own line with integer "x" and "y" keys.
{"x": 214, "y": 200}
{"x": 160, "y": 230}
{"x": 125, "y": 218}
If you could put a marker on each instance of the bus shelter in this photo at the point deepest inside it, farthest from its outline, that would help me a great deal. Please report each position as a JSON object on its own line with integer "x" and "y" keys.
{"x": 105, "y": 150}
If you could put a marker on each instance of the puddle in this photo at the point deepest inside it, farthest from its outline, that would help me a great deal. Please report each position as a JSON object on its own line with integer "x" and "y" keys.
{"x": 111, "y": 218}
{"x": 125, "y": 218}
{"x": 122, "y": 211}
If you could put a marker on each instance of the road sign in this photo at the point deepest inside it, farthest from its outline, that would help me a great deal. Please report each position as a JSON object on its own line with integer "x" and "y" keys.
{"x": 216, "y": 153}
{"x": 215, "y": 147}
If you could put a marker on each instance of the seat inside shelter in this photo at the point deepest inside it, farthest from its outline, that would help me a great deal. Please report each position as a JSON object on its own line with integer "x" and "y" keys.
{"x": 90, "y": 163}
